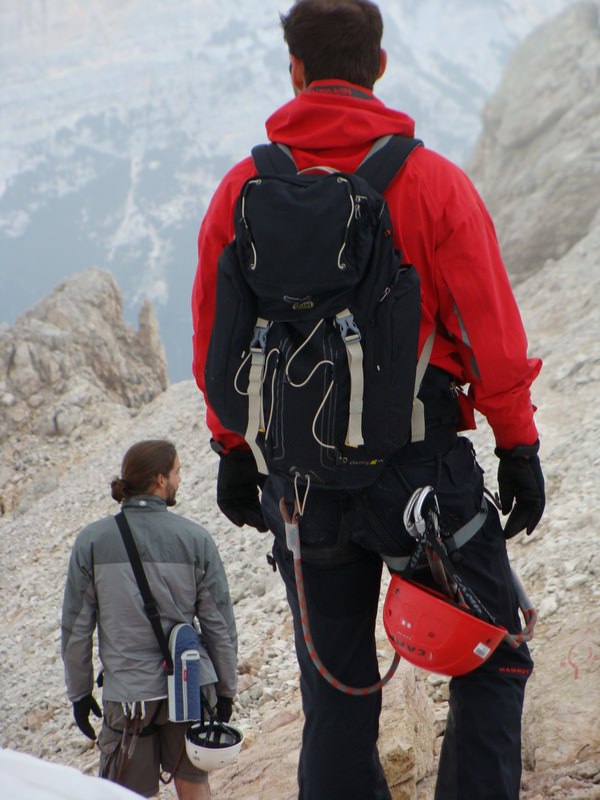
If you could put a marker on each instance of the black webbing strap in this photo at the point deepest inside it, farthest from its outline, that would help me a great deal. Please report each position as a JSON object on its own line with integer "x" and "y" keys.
{"x": 378, "y": 168}
{"x": 150, "y": 606}
{"x": 385, "y": 159}
{"x": 272, "y": 159}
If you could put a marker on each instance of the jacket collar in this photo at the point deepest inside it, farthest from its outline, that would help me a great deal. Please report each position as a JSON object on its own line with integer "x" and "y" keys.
{"x": 148, "y": 501}
{"x": 340, "y": 89}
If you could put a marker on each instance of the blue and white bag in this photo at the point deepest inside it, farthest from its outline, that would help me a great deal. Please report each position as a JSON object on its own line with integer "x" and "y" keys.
{"x": 183, "y": 686}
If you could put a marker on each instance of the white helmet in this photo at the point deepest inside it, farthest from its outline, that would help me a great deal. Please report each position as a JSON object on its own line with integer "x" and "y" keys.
{"x": 210, "y": 745}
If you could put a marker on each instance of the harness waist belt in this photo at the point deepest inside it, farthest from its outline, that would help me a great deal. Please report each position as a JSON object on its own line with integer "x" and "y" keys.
{"x": 454, "y": 542}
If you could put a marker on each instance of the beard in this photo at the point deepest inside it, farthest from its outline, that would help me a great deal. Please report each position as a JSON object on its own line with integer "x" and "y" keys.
{"x": 170, "y": 499}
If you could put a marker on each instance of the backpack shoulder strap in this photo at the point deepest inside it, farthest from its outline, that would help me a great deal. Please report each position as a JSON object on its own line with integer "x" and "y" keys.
{"x": 384, "y": 160}
{"x": 274, "y": 159}
{"x": 378, "y": 167}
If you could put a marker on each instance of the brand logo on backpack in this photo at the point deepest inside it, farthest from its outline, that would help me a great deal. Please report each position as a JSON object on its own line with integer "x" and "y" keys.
{"x": 300, "y": 303}
{"x": 320, "y": 381}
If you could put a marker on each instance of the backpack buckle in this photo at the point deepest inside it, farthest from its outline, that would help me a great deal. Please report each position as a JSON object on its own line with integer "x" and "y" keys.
{"x": 347, "y": 326}
{"x": 258, "y": 343}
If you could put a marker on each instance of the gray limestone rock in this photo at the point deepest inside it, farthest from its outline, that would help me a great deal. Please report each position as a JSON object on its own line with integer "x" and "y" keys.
{"x": 537, "y": 161}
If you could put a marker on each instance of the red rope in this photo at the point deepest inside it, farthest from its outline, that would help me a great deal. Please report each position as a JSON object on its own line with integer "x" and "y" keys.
{"x": 337, "y": 684}
{"x": 526, "y": 635}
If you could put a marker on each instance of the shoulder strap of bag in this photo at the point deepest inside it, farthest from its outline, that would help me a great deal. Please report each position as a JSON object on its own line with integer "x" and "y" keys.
{"x": 150, "y": 606}
{"x": 385, "y": 159}
{"x": 378, "y": 167}
{"x": 274, "y": 159}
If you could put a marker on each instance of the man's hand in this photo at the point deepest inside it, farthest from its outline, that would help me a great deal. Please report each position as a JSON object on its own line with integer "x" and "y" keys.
{"x": 521, "y": 485}
{"x": 81, "y": 712}
{"x": 238, "y": 482}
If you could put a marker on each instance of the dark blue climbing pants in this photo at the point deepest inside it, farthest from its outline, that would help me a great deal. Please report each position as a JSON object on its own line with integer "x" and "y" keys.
{"x": 341, "y": 535}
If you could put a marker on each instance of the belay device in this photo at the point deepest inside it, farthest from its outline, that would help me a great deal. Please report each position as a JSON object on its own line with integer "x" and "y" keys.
{"x": 314, "y": 349}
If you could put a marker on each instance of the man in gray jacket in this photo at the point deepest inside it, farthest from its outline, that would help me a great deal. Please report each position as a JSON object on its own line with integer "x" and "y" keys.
{"x": 188, "y": 582}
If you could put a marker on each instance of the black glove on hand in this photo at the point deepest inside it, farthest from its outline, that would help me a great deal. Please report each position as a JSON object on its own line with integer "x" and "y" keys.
{"x": 224, "y": 708}
{"x": 81, "y": 712}
{"x": 520, "y": 480}
{"x": 238, "y": 482}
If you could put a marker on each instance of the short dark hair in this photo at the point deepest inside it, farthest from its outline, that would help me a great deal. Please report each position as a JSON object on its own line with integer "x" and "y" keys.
{"x": 142, "y": 464}
{"x": 335, "y": 39}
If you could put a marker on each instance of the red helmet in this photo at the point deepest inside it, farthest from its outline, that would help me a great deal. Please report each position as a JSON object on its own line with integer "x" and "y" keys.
{"x": 429, "y": 630}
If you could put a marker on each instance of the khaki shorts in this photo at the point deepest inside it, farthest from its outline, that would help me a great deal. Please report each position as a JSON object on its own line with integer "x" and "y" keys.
{"x": 157, "y": 749}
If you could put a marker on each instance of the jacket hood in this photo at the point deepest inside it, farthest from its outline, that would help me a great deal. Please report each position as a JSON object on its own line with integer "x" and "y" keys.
{"x": 328, "y": 112}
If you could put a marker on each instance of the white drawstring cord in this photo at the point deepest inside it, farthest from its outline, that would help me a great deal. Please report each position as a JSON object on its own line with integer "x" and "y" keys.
{"x": 340, "y": 264}
{"x": 298, "y": 351}
{"x": 296, "y": 385}
{"x": 314, "y": 423}
{"x": 237, "y": 375}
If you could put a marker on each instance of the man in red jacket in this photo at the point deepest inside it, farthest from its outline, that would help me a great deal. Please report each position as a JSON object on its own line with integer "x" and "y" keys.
{"x": 442, "y": 227}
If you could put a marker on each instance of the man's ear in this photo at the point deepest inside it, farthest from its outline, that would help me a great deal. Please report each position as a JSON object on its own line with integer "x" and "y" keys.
{"x": 382, "y": 62}
{"x": 297, "y": 74}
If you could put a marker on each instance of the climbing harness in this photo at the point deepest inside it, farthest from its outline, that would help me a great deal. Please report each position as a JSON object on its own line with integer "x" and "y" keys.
{"x": 134, "y": 714}
{"x": 135, "y": 727}
{"x": 459, "y": 632}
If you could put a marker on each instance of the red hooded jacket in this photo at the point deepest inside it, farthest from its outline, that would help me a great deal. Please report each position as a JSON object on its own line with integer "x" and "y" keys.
{"x": 441, "y": 226}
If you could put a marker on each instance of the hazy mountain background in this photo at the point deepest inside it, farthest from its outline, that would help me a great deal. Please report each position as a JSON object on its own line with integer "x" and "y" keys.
{"x": 117, "y": 119}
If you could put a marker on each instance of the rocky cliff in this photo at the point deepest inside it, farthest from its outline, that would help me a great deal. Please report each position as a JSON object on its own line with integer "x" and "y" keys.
{"x": 69, "y": 365}
{"x": 537, "y": 161}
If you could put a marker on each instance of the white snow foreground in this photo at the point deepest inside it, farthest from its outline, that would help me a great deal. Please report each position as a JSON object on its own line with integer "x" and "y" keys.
{"x": 24, "y": 777}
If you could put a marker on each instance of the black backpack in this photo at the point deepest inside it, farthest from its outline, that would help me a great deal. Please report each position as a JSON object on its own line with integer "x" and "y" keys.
{"x": 313, "y": 352}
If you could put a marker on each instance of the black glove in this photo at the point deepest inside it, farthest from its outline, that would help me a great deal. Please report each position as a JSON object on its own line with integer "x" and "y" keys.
{"x": 238, "y": 482}
{"x": 81, "y": 712}
{"x": 224, "y": 708}
{"x": 521, "y": 481}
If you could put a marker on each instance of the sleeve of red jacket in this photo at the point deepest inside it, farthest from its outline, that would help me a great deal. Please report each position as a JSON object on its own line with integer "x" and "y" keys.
{"x": 216, "y": 232}
{"x": 479, "y": 311}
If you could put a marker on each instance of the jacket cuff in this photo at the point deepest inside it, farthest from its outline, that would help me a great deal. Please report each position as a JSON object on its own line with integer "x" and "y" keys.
{"x": 520, "y": 451}
{"x": 222, "y": 450}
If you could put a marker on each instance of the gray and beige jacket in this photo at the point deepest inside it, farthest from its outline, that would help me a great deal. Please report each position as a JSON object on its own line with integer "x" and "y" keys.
{"x": 187, "y": 579}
